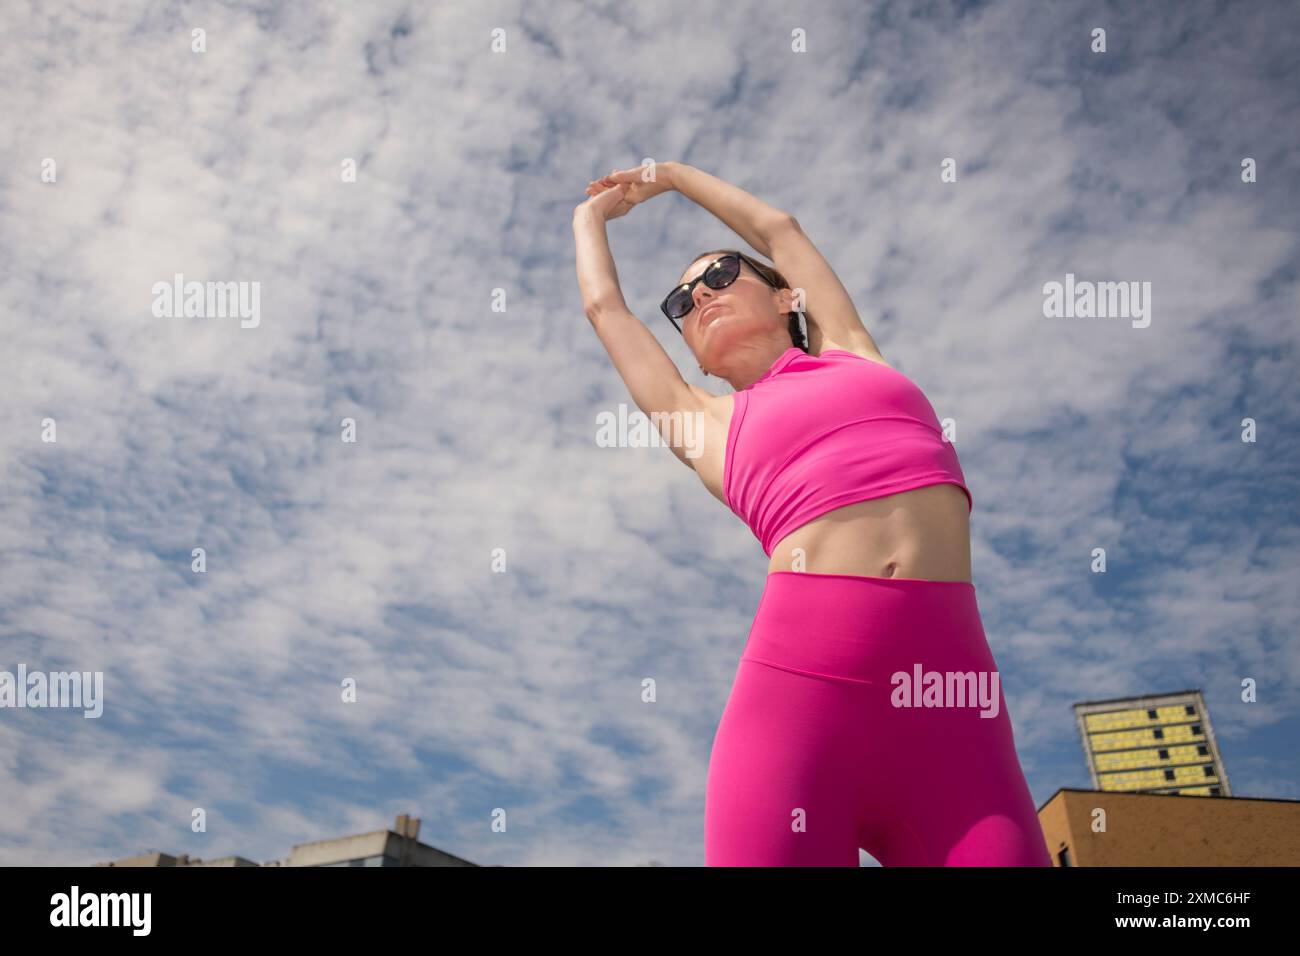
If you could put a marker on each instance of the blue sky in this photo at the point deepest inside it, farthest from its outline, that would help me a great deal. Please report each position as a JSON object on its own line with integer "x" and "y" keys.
{"x": 476, "y": 428}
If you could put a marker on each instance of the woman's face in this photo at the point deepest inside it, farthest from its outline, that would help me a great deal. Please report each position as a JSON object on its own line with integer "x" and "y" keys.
{"x": 746, "y": 310}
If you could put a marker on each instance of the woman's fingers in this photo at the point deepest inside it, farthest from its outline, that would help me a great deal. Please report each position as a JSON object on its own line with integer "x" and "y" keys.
{"x": 609, "y": 201}
{"x": 620, "y": 199}
{"x": 597, "y": 186}
{"x": 617, "y": 176}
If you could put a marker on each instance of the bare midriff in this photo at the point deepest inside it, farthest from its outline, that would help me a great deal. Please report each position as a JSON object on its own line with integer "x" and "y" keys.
{"x": 922, "y": 534}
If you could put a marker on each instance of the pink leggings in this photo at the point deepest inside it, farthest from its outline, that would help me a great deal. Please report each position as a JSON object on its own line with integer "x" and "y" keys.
{"x": 816, "y": 754}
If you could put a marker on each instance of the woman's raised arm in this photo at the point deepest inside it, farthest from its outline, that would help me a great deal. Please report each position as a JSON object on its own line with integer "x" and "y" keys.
{"x": 651, "y": 376}
{"x": 748, "y": 216}
{"x": 776, "y": 234}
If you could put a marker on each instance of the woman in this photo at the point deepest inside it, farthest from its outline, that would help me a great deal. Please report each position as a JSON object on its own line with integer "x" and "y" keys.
{"x": 866, "y": 709}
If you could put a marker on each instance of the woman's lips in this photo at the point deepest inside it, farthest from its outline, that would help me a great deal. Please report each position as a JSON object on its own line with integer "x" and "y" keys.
{"x": 710, "y": 315}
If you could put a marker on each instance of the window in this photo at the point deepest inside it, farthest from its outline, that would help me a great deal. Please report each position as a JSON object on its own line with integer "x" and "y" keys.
{"x": 1151, "y": 715}
{"x": 1196, "y": 728}
{"x": 1158, "y": 734}
{"x": 1190, "y": 710}
{"x": 1214, "y": 791}
{"x": 1203, "y": 750}
{"x": 1209, "y": 771}
{"x": 1164, "y": 755}
{"x": 1169, "y": 775}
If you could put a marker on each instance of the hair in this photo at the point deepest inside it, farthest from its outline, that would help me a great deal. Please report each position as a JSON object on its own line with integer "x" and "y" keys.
{"x": 797, "y": 335}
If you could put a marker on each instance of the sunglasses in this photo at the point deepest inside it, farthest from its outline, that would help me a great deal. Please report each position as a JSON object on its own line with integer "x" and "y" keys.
{"x": 718, "y": 274}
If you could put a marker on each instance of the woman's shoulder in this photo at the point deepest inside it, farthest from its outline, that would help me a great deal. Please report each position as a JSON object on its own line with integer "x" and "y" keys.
{"x": 871, "y": 355}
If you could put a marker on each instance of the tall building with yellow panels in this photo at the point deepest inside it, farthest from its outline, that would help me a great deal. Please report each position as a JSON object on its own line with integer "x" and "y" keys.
{"x": 1161, "y": 744}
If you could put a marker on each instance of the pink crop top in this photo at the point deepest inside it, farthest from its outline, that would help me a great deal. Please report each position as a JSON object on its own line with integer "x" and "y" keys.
{"x": 818, "y": 432}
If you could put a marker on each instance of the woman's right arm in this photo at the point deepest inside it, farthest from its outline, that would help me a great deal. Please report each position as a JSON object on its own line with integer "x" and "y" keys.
{"x": 650, "y": 374}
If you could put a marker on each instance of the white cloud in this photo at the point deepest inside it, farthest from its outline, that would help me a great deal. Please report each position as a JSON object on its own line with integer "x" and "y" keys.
{"x": 476, "y": 428}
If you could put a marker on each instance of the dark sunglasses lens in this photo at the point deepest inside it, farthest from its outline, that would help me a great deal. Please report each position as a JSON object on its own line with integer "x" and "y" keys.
{"x": 717, "y": 276}
{"x": 679, "y": 303}
{"x": 722, "y": 273}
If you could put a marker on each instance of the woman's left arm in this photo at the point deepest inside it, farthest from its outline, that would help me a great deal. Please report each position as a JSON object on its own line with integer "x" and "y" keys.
{"x": 748, "y": 216}
{"x": 776, "y": 234}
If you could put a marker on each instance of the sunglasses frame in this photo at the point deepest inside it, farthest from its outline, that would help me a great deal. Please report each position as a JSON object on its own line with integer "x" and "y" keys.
{"x": 689, "y": 287}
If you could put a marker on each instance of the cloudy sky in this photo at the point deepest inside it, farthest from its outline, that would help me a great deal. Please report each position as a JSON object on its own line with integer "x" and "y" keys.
{"x": 475, "y": 427}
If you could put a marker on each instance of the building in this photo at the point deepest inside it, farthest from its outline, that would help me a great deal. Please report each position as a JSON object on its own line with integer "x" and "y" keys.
{"x": 166, "y": 859}
{"x": 1145, "y": 754}
{"x": 1110, "y": 828}
{"x": 399, "y": 847}
{"x": 377, "y": 848}
{"x": 1161, "y": 744}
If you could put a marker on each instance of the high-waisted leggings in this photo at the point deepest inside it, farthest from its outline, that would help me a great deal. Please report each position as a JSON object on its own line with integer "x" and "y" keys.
{"x": 830, "y": 742}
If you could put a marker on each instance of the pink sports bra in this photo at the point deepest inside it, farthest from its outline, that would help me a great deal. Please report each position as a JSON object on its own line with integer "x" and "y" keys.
{"x": 818, "y": 432}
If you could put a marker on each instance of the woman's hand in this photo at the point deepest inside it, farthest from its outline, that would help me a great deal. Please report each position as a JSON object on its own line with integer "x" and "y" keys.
{"x": 639, "y": 186}
{"x": 604, "y": 204}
